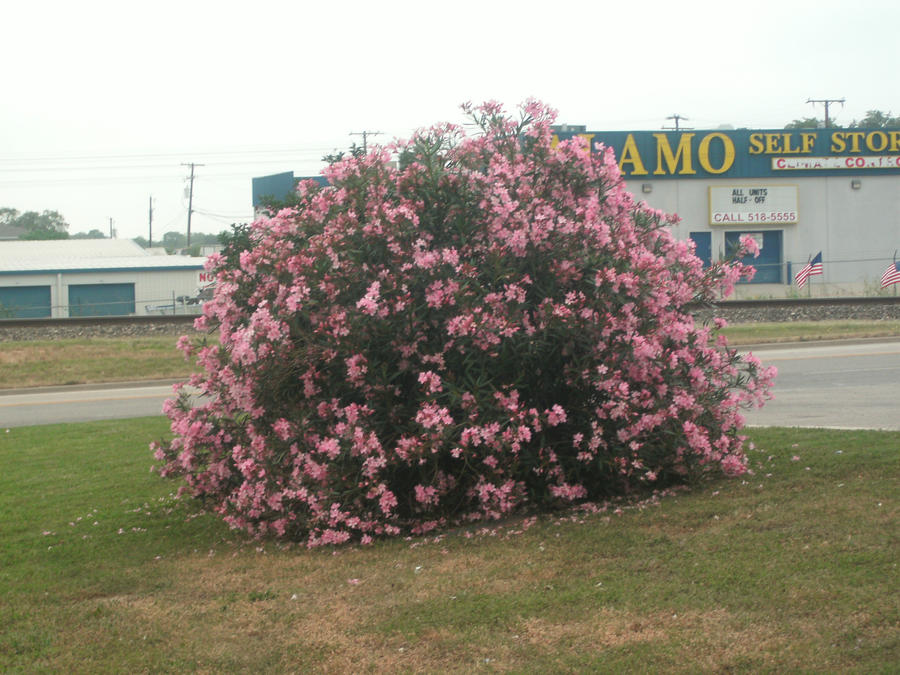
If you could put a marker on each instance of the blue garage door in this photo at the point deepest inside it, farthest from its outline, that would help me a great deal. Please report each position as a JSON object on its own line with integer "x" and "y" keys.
{"x": 25, "y": 302}
{"x": 769, "y": 263}
{"x": 703, "y": 246}
{"x": 101, "y": 299}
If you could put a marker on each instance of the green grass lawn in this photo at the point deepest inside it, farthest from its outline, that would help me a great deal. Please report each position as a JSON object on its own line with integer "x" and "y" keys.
{"x": 802, "y": 331}
{"x": 793, "y": 568}
{"x": 34, "y": 363}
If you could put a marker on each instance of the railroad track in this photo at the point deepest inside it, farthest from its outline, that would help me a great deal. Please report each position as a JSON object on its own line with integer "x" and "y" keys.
{"x": 819, "y": 307}
{"x": 790, "y": 303}
{"x": 93, "y": 321}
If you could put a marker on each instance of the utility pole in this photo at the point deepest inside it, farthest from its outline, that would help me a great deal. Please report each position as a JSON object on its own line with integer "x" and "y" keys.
{"x": 365, "y": 136}
{"x": 150, "y": 244}
{"x": 677, "y": 119}
{"x": 112, "y": 232}
{"x": 190, "y": 200}
{"x": 827, "y": 102}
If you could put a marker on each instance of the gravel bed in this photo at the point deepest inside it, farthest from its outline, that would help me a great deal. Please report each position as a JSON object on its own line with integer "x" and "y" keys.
{"x": 734, "y": 315}
{"x": 836, "y": 312}
{"x": 57, "y": 332}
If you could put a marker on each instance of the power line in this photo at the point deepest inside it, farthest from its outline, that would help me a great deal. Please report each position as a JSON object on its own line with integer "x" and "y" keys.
{"x": 131, "y": 167}
{"x": 223, "y": 215}
{"x": 827, "y": 102}
{"x": 162, "y": 155}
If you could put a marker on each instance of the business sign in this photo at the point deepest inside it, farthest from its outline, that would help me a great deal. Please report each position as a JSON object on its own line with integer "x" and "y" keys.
{"x": 753, "y": 204}
{"x": 746, "y": 153}
{"x": 838, "y": 162}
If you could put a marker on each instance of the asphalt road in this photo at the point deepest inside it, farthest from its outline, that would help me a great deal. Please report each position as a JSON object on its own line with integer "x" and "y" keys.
{"x": 840, "y": 385}
{"x": 83, "y": 403}
{"x": 850, "y": 385}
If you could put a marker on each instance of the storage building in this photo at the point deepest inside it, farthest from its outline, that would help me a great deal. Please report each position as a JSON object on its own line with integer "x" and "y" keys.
{"x": 798, "y": 192}
{"x": 95, "y": 277}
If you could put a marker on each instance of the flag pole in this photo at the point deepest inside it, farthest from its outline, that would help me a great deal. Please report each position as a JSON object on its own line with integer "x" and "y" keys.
{"x": 809, "y": 279}
{"x": 895, "y": 266}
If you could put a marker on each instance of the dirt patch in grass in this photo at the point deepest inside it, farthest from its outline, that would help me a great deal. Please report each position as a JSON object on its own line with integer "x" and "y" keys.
{"x": 716, "y": 637}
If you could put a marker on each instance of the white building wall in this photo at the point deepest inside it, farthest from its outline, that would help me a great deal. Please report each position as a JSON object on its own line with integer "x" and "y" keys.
{"x": 857, "y": 229}
{"x": 153, "y": 289}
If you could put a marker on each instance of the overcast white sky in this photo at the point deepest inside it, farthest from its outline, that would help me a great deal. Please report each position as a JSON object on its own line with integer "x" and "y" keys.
{"x": 103, "y": 101}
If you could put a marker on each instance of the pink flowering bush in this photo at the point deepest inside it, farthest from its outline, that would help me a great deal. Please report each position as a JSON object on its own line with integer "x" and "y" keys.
{"x": 492, "y": 324}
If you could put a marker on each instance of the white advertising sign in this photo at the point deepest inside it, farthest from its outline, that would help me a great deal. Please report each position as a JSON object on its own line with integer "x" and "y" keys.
{"x": 836, "y": 162}
{"x": 753, "y": 204}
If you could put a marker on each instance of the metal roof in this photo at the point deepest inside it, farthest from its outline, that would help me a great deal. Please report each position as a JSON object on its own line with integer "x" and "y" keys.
{"x": 72, "y": 255}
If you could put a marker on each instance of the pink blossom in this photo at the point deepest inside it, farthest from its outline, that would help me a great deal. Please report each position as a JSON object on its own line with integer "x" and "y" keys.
{"x": 556, "y": 415}
{"x": 431, "y": 380}
{"x": 368, "y": 304}
{"x": 356, "y": 368}
{"x": 750, "y": 245}
{"x": 432, "y": 416}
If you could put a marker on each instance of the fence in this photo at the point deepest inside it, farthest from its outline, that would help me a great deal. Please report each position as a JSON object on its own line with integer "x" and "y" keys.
{"x": 176, "y": 305}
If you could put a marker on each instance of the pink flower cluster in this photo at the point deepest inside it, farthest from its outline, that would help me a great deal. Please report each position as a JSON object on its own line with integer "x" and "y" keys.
{"x": 493, "y": 323}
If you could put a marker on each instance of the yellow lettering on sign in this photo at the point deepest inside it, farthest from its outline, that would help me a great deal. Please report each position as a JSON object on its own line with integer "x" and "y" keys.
{"x": 855, "y": 137}
{"x": 756, "y": 144}
{"x": 781, "y": 143}
{"x": 807, "y": 141}
{"x": 895, "y": 141}
{"x": 882, "y": 141}
{"x": 788, "y": 150}
{"x": 703, "y": 153}
{"x": 683, "y": 153}
{"x": 838, "y": 142}
{"x": 630, "y": 155}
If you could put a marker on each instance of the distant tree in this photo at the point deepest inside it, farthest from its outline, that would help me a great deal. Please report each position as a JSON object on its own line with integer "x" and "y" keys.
{"x": 206, "y": 239}
{"x": 174, "y": 241}
{"x": 876, "y": 119}
{"x": 44, "y": 225}
{"x": 805, "y": 123}
{"x": 8, "y": 215}
{"x": 177, "y": 241}
{"x": 41, "y": 235}
{"x": 93, "y": 234}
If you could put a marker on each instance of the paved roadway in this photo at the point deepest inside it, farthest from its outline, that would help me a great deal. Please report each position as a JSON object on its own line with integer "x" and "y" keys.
{"x": 81, "y": 403}
{"x": 841, "y": 384}
{"x": 853, "y": 384}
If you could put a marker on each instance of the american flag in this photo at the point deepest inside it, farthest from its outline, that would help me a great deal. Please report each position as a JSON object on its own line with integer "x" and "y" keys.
{"x": 814, "y": 266}
{"x": 891, "y": 275}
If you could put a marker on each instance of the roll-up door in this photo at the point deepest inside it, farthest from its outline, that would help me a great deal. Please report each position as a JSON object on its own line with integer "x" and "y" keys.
{"x": 101, "y": 299}
{"x": 24, "y": 302}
